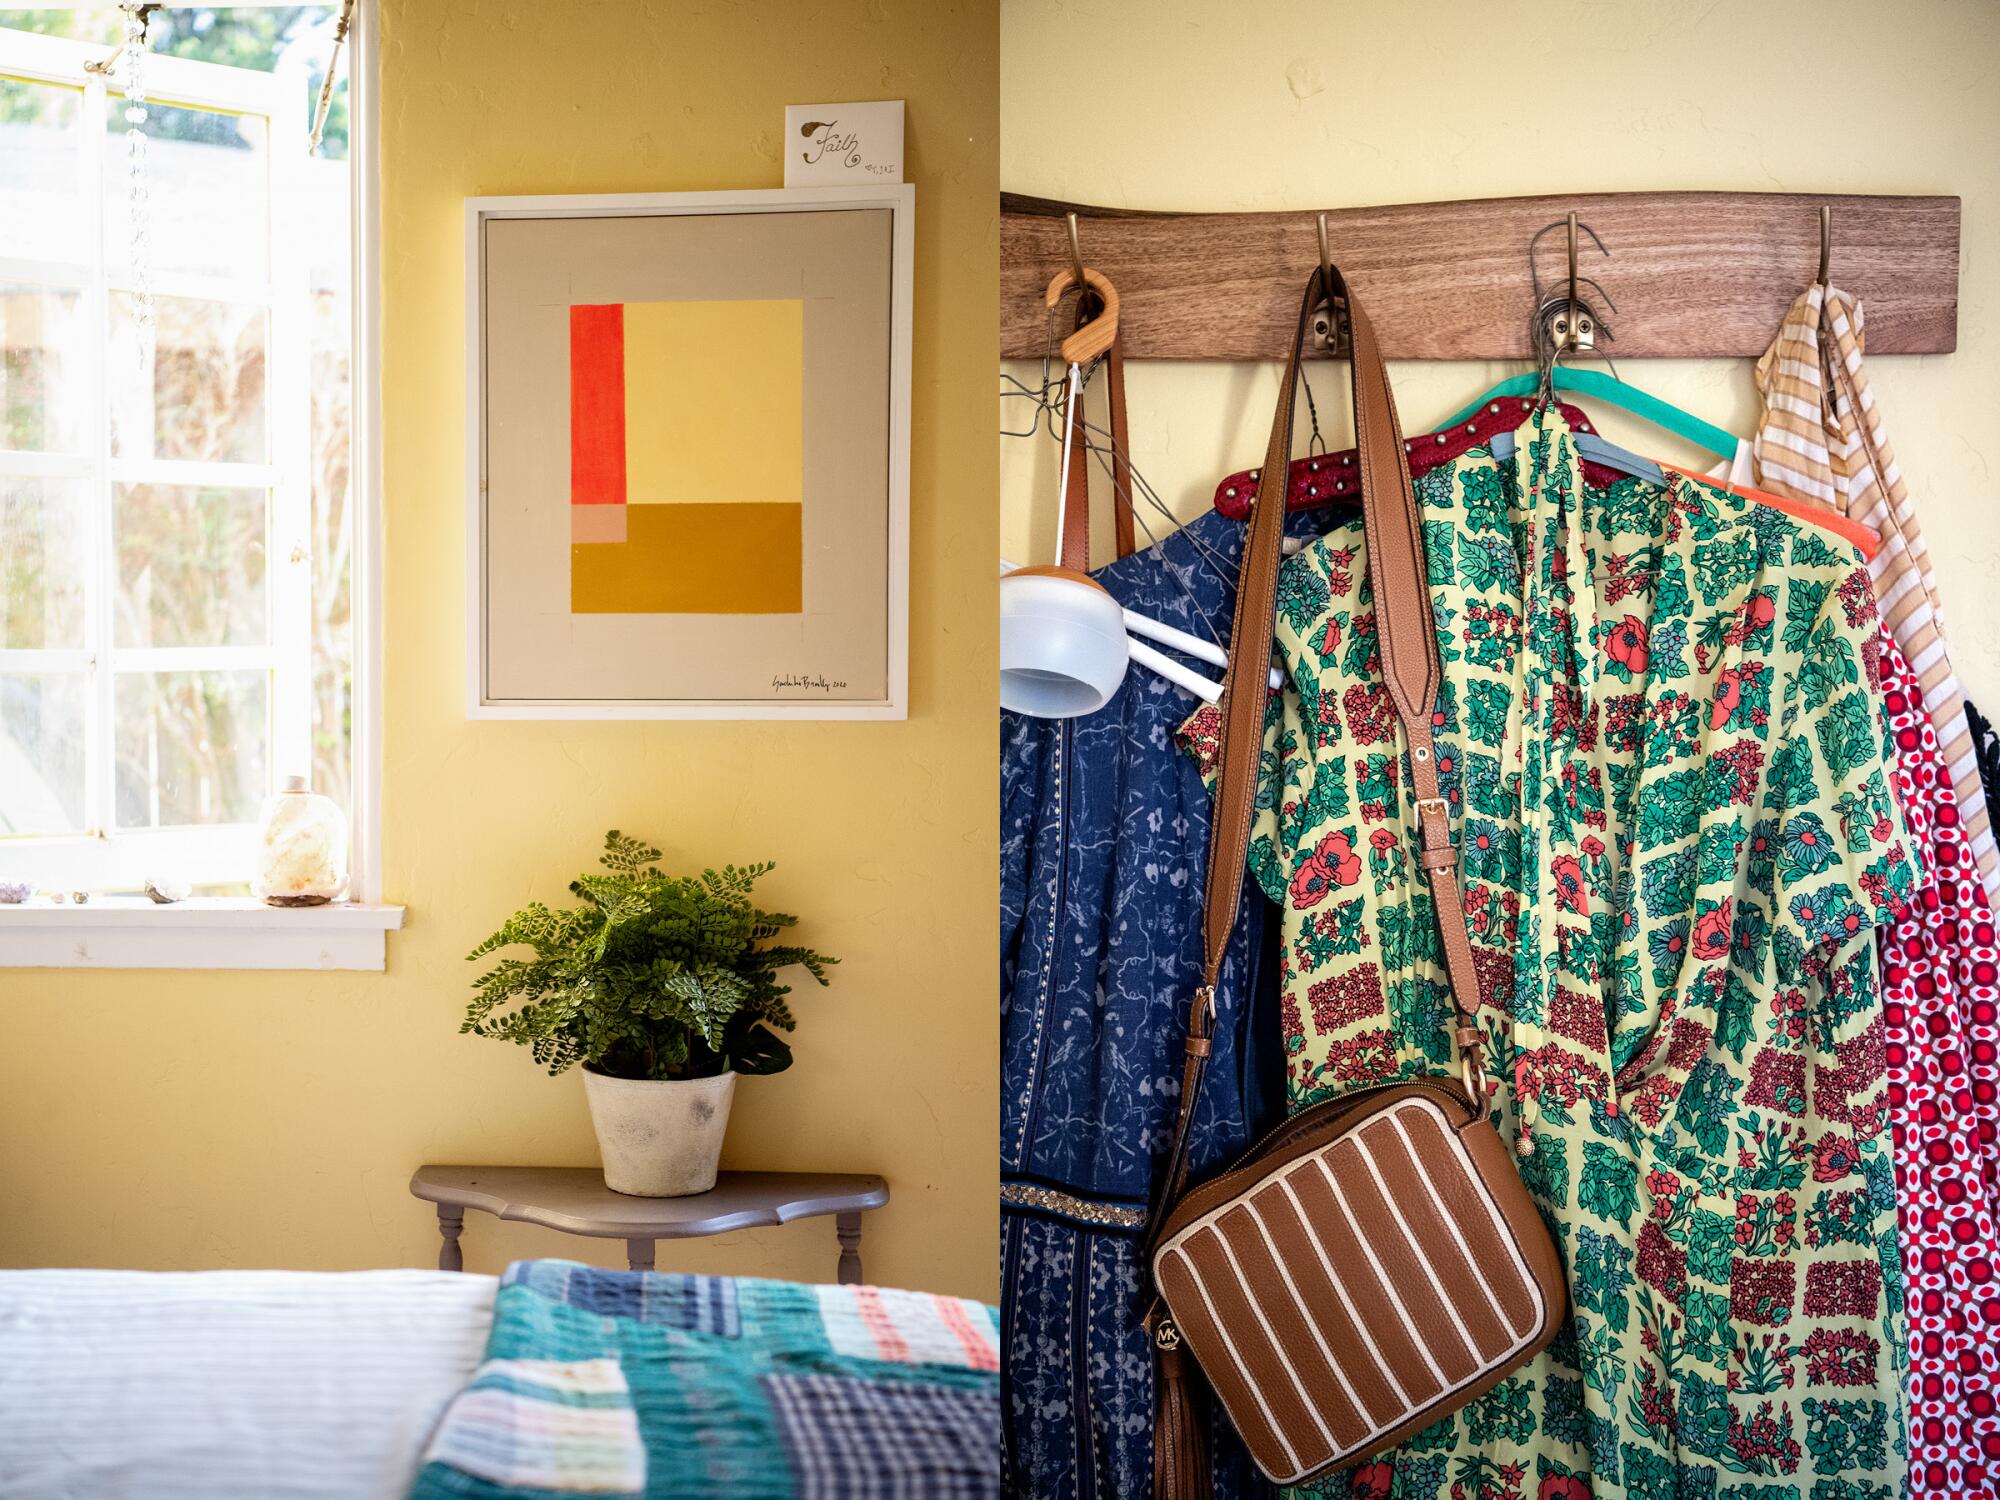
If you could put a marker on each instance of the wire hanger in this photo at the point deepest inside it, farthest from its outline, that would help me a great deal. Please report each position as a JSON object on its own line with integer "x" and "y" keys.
{"x": 1566, "y": 323}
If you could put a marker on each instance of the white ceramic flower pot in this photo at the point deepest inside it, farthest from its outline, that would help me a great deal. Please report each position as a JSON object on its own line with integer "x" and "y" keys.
{"x": 659, "y": 1139}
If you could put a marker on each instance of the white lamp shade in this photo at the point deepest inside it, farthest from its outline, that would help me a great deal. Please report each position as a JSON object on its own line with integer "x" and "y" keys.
{"x": 1062, "y": 644}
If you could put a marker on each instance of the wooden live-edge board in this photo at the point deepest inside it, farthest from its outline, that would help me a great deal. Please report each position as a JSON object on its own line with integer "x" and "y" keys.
{"x": 1694, "y": 275}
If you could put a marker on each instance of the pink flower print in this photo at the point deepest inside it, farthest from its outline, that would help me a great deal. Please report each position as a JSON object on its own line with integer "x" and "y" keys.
{"x": 1627, "y": 645}
{"x": 1310, "y": 884}
{"x": 1711, "y": 934}
{"x": 1570, "y": 894}
{"x": 1336, "y": 853}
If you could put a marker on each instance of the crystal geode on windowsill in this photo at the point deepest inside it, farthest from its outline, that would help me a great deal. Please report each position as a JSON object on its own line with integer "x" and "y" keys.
{"x": 302, "y": 857}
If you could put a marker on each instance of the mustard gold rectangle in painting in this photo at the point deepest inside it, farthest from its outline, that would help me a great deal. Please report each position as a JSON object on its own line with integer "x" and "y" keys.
{"x": 714, "y": 402}
{"x": 694, "y": 560}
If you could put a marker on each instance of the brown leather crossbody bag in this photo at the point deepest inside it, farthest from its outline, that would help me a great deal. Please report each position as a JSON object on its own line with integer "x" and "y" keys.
{"x": 1375, "y": 1262}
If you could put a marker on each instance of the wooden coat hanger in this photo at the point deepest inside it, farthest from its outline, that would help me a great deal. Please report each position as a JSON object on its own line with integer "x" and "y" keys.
{"x": 1093, "y": 338}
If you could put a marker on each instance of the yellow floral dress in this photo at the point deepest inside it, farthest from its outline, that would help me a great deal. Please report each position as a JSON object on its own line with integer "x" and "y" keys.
{"x": 1658, "y": 738}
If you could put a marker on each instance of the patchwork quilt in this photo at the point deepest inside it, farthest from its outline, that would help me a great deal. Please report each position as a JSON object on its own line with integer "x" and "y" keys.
{"x": 634, "y": 1383}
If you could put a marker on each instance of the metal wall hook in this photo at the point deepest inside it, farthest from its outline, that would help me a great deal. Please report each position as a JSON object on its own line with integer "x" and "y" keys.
{"x": 1325, "y": 329}
{"x": 1572, "y": 278}
{"x": 1565, "y": 324}
{"x": 1075, "y": 251}
{"x": 1555, "y": 317}
{"x": 1825, "y": 240}
{"x": 1573, "y": 226}
{"x": 1563, "y": 320}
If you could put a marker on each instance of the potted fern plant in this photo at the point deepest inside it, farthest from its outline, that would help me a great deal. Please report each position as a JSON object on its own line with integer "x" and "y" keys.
{"x": 664, "y": 987}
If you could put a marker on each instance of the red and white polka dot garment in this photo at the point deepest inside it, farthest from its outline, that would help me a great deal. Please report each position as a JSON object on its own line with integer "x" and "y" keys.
{"x": 1940, "y": 990}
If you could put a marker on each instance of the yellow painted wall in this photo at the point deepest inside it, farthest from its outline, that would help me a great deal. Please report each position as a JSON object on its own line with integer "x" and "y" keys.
{"x": 1180, "y": 104}
{"x": 229, "y": 1119}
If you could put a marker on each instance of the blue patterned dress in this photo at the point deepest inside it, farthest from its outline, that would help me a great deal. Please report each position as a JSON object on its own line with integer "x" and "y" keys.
{"x": 1104, "y": 841}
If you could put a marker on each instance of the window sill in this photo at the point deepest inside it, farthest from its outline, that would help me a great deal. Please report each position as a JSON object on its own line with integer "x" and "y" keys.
{"x": 130, "y": 932}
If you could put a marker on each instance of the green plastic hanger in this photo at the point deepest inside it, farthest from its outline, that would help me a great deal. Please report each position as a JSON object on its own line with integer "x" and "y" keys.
{"x": 1599, "y": 386}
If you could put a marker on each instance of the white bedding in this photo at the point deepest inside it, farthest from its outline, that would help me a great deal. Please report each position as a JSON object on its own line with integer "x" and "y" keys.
{"x": 229, "y": 1385}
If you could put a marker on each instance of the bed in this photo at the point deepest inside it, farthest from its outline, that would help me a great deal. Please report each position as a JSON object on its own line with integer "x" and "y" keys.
{"x": 554, "y": 1379}
{"x": 229, "y": 1385}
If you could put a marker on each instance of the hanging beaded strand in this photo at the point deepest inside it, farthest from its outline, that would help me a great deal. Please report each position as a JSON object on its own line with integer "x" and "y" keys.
{"x": 137, "y": 187}
{"x": 323, "y": 106}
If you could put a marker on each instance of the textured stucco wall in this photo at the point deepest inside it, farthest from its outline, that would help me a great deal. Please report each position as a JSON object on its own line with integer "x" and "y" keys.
{"x": 188, "y": 1120}
{"x": 1303, "y": 104}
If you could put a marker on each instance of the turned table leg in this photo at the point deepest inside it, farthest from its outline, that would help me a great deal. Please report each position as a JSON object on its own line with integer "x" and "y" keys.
{"x": 847, "y": 1227}
{"x": 451, "y": 1223}
{"x": 639, "y": 1255}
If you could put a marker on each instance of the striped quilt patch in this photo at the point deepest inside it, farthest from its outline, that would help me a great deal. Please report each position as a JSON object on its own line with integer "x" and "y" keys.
{"x": 869, "y": 1322}
{"x": 542, "y": 1425}
{"x": 633, "y": 1383}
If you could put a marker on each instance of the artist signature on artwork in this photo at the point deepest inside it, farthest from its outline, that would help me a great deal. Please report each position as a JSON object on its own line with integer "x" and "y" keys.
{"x": 829, "y": 141}
{"x": 806, "y": 682}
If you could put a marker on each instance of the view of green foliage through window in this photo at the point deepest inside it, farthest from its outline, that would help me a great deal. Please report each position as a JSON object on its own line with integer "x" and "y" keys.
{"x": 175, "y": 539}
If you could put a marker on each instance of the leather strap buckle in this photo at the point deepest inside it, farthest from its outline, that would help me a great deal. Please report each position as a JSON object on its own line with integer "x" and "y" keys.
{"x": 1204, "y": 1005}
{"x": 1473, "y": 1076}
{"x": 1433, "y": 807}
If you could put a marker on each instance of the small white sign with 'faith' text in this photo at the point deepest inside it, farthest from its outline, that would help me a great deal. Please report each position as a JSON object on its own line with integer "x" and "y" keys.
{"x": 843, "y": 143}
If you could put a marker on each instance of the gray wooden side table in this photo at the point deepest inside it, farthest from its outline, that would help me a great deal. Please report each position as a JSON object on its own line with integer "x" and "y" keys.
{"x": 576, "y": 1201}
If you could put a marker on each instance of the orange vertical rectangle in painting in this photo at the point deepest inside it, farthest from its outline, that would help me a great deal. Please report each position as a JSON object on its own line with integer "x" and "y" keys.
{"x": 694, "y": 560}
{"x": 597, "y": 405}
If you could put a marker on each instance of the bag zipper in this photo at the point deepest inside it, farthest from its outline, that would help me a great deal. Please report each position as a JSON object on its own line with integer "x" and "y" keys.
{"x": 1312, "y": 1119}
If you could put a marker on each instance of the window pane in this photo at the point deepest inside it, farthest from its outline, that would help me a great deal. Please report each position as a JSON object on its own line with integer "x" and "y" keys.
{"x": 41, "y": 753}
{"x": 207, "y": 193}
{"x": 203, "y": 397}
{"x": 41, "y": 368}
{"x": 41, "y": 177}
{"x": 192, "y": 747}
{"x": 190, "y": 566}
{"x": 41, "y": 564}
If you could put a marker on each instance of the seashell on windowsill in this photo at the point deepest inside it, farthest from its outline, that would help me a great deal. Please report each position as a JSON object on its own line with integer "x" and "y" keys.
{"x": 165, "y": 890}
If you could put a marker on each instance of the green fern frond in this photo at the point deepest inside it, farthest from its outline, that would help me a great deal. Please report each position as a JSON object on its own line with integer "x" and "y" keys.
{"x": 650, "y": 976}
{"x": 626, "y": 855}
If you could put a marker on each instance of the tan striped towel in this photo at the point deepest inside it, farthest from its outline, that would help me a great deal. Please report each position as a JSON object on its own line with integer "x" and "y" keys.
{"x": 1821, "y": 439}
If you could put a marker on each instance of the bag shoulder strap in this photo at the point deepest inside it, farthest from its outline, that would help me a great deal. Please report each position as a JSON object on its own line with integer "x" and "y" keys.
{"x": 1407, "y": 635}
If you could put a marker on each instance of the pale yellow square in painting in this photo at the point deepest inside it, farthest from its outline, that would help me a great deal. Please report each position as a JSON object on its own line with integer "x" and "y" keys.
{"x": 714, "y": 402}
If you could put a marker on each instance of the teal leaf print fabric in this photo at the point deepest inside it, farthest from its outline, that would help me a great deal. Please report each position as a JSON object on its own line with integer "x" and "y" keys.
{"x": 1659, "y": 737}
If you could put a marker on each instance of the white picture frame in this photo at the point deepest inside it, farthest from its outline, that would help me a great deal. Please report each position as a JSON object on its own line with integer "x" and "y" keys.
{"x": 899, "y": 200}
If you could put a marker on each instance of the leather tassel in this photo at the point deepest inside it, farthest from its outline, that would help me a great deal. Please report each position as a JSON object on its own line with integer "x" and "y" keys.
{"x": 1180, "y": 1451}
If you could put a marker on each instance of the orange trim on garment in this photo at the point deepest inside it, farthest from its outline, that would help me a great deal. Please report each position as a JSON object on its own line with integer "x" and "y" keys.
{"x": 1798, "y": 510}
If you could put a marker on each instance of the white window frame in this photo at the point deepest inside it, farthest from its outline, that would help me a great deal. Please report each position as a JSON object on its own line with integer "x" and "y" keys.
{"x": 222, "y": 933}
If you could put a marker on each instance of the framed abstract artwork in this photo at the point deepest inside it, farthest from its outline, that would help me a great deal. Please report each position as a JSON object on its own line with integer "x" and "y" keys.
{"x": 688, "y": 452}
